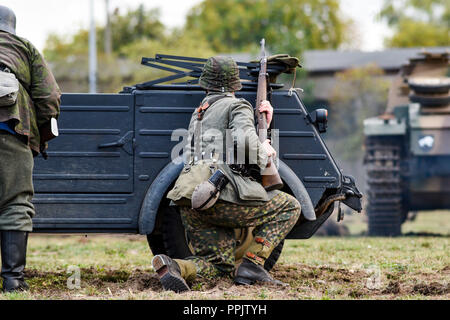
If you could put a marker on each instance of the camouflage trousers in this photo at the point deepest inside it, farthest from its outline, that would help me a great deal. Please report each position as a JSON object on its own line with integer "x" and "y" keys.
{"x": 211, "y": 232}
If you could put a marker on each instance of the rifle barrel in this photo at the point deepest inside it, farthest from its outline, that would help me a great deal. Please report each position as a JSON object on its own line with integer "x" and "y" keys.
{"x": 271, "y": 179}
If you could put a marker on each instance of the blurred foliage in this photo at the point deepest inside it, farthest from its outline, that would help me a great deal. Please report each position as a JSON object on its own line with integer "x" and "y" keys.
{"x": 135, "y": 34}
{"x": 289, "y": 26}
{"x": 417, "y": 23}
{"x": 360, "y": 93}
{"x": 134, "y": 25}
{"x": 214, "y": 26}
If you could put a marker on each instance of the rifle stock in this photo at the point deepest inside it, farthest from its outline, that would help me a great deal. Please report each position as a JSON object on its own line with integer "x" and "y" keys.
{"x": 271, "y": 179}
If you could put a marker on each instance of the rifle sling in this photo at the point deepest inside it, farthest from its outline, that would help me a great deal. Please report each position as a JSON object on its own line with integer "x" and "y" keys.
{"x": 200, "y": 113}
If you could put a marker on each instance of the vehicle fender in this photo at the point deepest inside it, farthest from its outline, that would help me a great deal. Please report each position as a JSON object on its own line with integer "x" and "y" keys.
{"x": 155, "y": 194}
{"x": 170, "y": 173}
{"x": 298, "y": 190}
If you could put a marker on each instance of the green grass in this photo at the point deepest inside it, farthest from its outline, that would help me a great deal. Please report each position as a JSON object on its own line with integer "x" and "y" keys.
{"x": 103, "y": 251}
{"x": 391, "y": 254}
{"x": 353, "y": 267}
{"x": 426, "y": 222}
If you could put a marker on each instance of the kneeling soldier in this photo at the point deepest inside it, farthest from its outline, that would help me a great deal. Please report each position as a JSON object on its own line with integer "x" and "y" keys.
{"x": 242, "y": 202}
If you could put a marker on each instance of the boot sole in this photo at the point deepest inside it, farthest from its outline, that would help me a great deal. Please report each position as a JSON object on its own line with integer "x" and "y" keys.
{"x": 246, "y": 281}
{"x": 243, "y": 281}
{"x": 168, "y": 280}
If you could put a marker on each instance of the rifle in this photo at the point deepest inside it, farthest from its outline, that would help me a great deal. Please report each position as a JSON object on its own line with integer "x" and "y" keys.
{"x": 270, "y": 177}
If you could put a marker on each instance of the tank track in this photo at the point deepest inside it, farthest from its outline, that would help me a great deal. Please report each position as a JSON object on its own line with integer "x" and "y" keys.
{"x": 385, "y": 197}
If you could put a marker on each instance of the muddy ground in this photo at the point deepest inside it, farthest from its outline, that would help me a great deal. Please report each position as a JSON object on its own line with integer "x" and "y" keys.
{"x": 415, "y": 266}
{"x": 304, "y": 282}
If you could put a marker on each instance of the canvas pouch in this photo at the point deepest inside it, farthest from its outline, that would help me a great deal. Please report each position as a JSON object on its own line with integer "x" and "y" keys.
{"x": 9, "y": 88}
{"x": 189, "y": 178}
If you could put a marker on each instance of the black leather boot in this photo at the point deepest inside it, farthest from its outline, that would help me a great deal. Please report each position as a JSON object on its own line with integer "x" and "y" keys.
{"x": 14, "y": 251}
{"x": 248, "y": 273}
{"x": 169, "y": 273}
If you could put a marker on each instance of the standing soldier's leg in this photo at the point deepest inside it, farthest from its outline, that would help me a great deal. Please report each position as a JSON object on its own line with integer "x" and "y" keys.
{"x": 16, "y": 209}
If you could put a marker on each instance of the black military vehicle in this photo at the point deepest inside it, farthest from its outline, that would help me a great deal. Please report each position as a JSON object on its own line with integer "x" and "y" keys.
{"x": 110, "y": 168}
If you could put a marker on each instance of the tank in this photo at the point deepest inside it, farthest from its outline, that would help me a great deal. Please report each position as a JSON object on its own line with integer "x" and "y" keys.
{"x": 407, "y": 149}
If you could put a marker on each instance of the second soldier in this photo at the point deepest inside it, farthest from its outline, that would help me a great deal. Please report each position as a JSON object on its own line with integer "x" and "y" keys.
{"x": 29, "y": 99}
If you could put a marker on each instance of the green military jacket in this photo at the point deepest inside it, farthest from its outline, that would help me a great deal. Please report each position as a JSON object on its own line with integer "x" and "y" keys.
{"x": 39, "y": 95}
{"x": 226, "y": 118}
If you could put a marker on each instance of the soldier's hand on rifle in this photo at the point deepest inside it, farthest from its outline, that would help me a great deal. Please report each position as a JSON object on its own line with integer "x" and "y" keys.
{"x": 269, "y": 149}
{"x": 268, "y": 109}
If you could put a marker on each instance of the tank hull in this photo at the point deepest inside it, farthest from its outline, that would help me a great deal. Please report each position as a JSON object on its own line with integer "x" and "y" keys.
{"x": 408, "y": 147}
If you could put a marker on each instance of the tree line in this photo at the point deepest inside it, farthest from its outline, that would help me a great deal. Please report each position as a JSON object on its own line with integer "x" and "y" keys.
{"x": 236, "y": 26}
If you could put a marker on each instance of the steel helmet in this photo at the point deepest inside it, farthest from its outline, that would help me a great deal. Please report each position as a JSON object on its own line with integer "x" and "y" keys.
{"x": 220, "y": 74}
{"x": 7, "y": 20}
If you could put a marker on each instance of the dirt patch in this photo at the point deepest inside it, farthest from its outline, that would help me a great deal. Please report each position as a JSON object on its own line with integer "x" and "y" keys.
{"x": 446, "y": 270}
{"x": 392, "y": 288}
{"x": 431, "y": 289}
{"x": 142, "y": 281}
{"x": 304, "y": 281}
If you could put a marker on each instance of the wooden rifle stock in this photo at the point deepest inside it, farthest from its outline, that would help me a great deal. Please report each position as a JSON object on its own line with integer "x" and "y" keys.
{"x": 271, "y": 179}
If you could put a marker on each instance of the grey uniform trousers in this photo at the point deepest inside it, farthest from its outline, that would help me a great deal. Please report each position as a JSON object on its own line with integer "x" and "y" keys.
{"x": 16, "y": 184}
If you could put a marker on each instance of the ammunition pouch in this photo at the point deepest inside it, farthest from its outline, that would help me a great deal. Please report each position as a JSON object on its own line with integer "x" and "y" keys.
{"x": 9, "y": 87}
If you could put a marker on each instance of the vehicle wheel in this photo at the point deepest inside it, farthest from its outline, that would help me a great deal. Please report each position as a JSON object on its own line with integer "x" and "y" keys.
{"x": 385, "y": 208}
{"x": 156, "y": 244}
{"x": 274, "y": 256}
{"x": 174, "y": 235}
{"x": 176, "y": 243}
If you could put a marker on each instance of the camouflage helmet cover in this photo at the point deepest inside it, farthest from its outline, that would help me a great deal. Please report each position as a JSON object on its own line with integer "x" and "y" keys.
{"x": 7, "y": 20}
{"x": 220, "y": 74}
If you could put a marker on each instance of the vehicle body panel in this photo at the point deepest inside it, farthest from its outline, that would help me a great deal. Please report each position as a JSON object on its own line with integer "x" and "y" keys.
{"x": 119, "y": 188}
